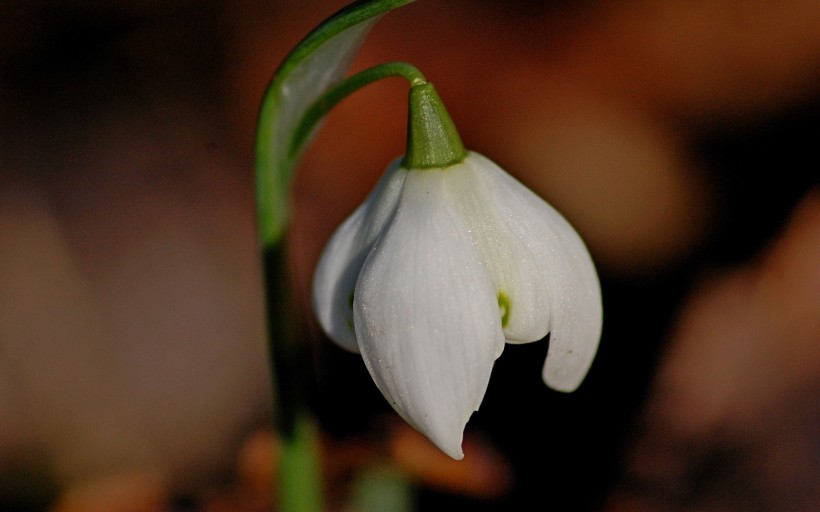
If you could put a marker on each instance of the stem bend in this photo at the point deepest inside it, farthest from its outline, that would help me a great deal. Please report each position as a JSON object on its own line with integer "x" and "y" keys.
{"x": 345, "y": 88}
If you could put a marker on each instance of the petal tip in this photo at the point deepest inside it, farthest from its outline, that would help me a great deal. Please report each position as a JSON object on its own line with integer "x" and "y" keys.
{"x": 562, "y": 384}
{"x": 565, "y": 374}
{"x": 449, "y": 443}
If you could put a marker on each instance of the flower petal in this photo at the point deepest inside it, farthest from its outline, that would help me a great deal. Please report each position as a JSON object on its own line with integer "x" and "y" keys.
{"x": 576, "y": 315}
{"x": 426, "y": 314}
{"x": 521, "y": 293}
{"x": 343, "y": 256}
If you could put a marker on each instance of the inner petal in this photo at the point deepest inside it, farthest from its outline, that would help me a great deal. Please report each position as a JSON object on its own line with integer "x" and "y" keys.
{"x": 522, "y": 294}
{"x": 562, "y": 258}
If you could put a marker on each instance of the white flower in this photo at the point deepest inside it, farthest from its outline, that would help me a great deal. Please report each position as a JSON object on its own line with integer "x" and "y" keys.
{"x": 437, "y": 270}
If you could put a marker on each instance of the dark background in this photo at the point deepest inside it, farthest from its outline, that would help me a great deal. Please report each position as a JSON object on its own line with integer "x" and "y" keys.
{"x": 680, "y": 139}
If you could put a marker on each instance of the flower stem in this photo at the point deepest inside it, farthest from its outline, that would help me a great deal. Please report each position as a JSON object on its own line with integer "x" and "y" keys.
{"x": 299, "y": 459}
{"x": 299, "y": 485}
{"x": 345, "y": 88}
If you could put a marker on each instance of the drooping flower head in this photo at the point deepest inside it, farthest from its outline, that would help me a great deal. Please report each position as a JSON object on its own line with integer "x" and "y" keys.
{"x": 448, "y": 259}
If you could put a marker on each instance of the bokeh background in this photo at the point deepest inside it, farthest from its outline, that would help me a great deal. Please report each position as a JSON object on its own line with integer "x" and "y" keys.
{"x": 680, "y": 138}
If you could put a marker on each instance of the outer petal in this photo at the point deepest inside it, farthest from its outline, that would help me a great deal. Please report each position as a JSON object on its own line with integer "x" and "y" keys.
{"x": 343, "y": 256}
{"x": 567, "y": 268}
{"x": 521, "y": 291}
{"x": 426, "y": 314}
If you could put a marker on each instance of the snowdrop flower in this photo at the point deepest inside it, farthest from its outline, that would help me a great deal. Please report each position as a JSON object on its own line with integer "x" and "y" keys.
{"x": 448, "y": 259}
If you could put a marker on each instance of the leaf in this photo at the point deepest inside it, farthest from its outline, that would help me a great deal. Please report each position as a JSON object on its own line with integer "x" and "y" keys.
{"x": 317, "y": 63}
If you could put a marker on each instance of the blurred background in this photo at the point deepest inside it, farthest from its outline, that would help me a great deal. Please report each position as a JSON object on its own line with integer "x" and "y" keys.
{"x": 680, "y": 138}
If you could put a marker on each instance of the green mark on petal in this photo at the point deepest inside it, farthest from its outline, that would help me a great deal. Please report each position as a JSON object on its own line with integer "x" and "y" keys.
{"x": 504, "y": 306}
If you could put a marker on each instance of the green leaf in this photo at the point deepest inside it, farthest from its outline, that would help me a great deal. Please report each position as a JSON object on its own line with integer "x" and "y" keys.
{"x": 319, "y": 62}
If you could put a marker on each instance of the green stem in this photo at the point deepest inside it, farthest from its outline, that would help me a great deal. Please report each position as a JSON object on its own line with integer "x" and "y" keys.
{"x": 300, "y": 473}
{"x": 345, "y": 88}
{"x": 299, "y": 485}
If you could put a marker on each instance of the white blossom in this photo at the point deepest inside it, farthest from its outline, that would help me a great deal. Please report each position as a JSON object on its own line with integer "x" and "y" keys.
{"x": 437, "y": 270}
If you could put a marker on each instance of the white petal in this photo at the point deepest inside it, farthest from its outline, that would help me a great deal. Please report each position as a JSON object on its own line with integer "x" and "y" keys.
{"x": 521, "y": 292}
{"x": 343, "y": 256}
{"x": 576, "y": 314}
{"x": 426, "y": 314}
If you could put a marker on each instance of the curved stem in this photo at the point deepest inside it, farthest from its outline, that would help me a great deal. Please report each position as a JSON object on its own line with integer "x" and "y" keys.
{"x": 345, "y": 88}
